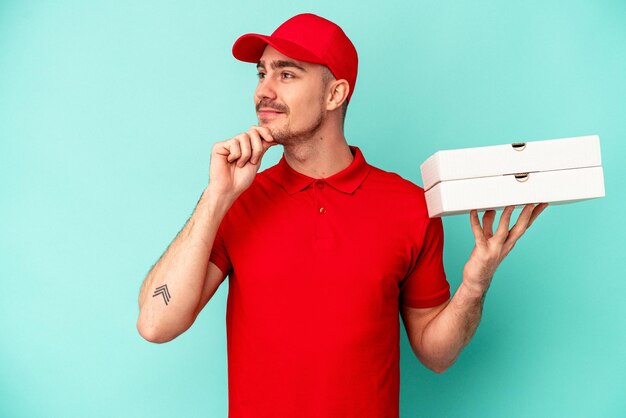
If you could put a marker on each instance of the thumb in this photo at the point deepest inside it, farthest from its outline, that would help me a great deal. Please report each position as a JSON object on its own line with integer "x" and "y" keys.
{"x": 267, "y": 145}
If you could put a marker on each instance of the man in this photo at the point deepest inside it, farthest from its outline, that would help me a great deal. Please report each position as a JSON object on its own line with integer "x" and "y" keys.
{"x": 322, "y": 250}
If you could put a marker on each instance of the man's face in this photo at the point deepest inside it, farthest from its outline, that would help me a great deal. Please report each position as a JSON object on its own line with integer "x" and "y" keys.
{"x": 289, "y": 97}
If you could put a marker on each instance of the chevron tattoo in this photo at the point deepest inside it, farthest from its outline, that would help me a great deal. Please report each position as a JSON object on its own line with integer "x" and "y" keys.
{"x": 162, "y": 290}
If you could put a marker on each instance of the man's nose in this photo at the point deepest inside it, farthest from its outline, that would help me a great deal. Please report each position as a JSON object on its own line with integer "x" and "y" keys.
{"x": 265, "y": 89}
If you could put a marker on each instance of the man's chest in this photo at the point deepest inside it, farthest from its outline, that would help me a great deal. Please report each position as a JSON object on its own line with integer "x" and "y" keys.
{"x": 327, "y": 248}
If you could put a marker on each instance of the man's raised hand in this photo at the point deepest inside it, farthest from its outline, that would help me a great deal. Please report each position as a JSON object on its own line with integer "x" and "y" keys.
{"x": 490, "y": 248}
{"x": 235, "y": 162}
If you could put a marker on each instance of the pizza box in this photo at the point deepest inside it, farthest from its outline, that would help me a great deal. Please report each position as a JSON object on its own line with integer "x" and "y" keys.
{"x": 558, "y": 171}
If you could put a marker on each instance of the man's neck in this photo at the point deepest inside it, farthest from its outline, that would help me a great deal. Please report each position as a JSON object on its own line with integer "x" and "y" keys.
{"x": 321, "y": 156}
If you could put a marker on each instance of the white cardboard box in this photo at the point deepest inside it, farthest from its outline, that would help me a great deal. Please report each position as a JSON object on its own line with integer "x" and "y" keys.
{"x": 556, "y": 171}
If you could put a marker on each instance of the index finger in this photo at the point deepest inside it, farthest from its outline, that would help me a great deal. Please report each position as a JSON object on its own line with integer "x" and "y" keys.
{"x": 259, "y": 145}
{"x": 264, "y": 132}
{"x": 479, "y": 235}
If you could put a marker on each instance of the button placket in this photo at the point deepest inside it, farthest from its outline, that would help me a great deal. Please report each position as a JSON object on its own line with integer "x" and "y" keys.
{"x": 322, "y": 229}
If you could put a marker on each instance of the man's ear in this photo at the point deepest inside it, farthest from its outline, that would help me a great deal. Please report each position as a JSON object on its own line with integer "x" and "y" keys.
{"x": 337, "y": 94}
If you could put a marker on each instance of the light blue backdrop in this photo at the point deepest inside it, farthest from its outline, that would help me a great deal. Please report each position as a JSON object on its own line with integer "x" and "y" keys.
{"x": 108, "y": 111}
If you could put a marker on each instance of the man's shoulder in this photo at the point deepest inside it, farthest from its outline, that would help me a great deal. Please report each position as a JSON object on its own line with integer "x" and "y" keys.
{"x": 378, "y": 176}
{"x": 400, "y": 195}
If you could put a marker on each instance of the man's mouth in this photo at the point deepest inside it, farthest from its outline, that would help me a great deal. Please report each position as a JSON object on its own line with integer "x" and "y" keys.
{"x": 268, "y": 113}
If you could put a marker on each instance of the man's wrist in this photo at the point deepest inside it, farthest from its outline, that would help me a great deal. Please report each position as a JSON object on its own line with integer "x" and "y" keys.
{"x": 216, "y": 204}
{"x": 472, "y": 291}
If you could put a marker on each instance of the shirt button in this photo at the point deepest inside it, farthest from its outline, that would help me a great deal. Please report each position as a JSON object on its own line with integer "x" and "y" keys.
{"x": 320, "y": 185}
{"x": 322, "y": 211}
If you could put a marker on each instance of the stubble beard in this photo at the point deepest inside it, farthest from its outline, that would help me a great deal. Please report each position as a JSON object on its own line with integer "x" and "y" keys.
{"x": 286, "y": 136}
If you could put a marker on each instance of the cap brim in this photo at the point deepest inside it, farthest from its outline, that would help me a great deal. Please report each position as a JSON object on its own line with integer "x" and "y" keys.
{"x": 250, "y": 47}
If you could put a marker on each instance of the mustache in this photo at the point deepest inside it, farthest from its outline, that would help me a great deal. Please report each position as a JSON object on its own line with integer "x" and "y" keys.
{"x": 268, "y": 104}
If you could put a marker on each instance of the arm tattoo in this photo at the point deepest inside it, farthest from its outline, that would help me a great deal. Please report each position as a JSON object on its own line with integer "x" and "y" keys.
{"x": 162, "y": 290}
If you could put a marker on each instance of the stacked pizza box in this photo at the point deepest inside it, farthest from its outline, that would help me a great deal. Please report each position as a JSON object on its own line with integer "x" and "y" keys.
{"x": 556, "y": 171}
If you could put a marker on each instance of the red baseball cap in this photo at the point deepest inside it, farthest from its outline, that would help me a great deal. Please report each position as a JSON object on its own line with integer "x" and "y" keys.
{"x": 305, "y": 37}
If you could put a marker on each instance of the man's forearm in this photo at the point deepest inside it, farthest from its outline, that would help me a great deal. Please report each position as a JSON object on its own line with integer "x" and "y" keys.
{"x": 445, "y": 336}
{"x": 172, "y": 289}
{"x": 450, "y": 331}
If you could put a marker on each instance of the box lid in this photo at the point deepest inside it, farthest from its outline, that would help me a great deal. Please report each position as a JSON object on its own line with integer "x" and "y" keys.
{"x": 522, "y": 157}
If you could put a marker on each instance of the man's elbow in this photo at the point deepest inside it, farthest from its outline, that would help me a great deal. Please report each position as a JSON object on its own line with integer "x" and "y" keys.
{"x": 439, "y": 369}
{"x": 438, "y": 366}
{"x": 154, "y": 333}
{"x": 150, "y": 334}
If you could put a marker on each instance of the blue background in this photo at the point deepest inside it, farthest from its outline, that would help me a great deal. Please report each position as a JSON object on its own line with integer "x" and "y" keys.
{"x": 108, "y": 112}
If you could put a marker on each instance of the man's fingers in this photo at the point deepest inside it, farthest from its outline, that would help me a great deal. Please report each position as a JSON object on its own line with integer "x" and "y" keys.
{"x": 262, "y": 140}
{"x": 488, "y": 218}
{"x": 267, "y": 139}
{"x": 264, "y": 132}
{"x": 267, "y": 145}
{"x": 234, "y": 150}
{"x": 257, "y": 146}
{"x": 520, "y": 226}
{"x": 536, "y": 211}
{"x": 246, "y": 149}
{"x": 503, "y": 236}
{"x": 503, "y": 226}
{"x": 478, "y": 231}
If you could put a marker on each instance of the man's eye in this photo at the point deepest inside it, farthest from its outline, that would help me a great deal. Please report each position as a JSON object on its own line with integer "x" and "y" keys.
{"x": 287, "y": 75}
{"x": 260, "y": 75}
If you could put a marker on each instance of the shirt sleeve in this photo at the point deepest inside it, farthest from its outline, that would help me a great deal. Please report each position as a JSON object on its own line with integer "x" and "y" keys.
{"x": 219, "y": 254}
{"x": 426, "y": 285}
